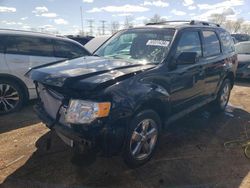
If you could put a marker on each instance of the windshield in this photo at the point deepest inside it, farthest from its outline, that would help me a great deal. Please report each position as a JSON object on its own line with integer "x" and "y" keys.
{"x": 243, "y": 48}
{"x": 147, "y": 45}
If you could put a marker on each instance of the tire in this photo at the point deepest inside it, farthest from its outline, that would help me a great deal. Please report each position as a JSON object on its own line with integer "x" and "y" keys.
{"x": 142, "y": 138}
{"x": 12, "y": 96}
{"x": 223, "y": 96}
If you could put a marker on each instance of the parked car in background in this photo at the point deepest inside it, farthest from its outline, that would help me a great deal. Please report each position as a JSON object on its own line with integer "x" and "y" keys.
{"x": 139, "y": 80}
{"x": 241, "y": 37}
{"x": 81, "y": 39}
{"x": 243, "y": 51}
{"x": 95, "y": 43}
{"x": 19, "y": 52}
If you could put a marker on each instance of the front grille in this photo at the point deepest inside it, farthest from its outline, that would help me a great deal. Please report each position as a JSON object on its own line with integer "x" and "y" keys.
{"x": 51, "y": 102}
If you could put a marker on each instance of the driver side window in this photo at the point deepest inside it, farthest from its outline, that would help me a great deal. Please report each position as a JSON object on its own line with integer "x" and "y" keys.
{"x": 189, "y": 42}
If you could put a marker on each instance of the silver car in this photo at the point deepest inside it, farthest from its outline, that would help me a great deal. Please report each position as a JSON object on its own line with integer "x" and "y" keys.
{"x": 19, "y": 52}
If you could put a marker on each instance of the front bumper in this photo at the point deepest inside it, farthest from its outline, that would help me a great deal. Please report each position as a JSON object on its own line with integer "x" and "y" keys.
{"x": 74, "y": 136}
{"x": 99, "y": 136}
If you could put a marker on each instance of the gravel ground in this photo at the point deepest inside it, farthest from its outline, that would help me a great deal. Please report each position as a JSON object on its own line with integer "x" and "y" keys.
{"x": 194, "y": 152}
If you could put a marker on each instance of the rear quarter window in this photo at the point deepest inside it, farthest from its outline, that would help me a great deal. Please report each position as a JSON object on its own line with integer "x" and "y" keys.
{"x": 25, "y": 45}
{"x": 211, "y": 43}
{"x": 227, "y": 42}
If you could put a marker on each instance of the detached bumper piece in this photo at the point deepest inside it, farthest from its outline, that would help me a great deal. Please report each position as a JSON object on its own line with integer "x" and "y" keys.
{"x": 71, "y": 137}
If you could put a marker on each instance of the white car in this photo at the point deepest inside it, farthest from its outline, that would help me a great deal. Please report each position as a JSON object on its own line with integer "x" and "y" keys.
{"x": 22, "y": 50}
{"x": 95, "y": 43}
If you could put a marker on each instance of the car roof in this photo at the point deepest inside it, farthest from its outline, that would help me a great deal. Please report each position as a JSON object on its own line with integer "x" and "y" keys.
{"x": 32, "y": 34}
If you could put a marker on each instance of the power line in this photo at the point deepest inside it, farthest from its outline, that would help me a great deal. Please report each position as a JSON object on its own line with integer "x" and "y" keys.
{"x": 90, "y": 26}
{"x": 103, "y": 26}
{"x": 81, "y": 19}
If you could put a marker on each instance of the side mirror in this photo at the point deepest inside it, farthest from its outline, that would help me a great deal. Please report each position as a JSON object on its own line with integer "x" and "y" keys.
{"x": 186, "y": 58}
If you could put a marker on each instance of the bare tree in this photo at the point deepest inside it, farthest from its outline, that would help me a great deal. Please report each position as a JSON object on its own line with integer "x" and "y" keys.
{"x": 114, "y": 27}
{"x": 155, "y": 19}
{"x": 237, "y": 25}
{"x": 229, "y": 25}
{"x": 233, "y": 26}
{"x": 218, "y": 18}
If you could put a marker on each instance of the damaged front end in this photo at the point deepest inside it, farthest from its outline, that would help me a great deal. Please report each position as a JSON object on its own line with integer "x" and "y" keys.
{"x": 76, "y": 105}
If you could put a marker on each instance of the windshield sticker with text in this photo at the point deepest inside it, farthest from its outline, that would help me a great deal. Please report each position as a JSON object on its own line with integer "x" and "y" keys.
{"x": 163, "y": 43}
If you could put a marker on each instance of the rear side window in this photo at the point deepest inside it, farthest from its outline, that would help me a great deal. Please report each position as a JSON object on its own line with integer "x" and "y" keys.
{"x": 189, "y": 42}
{"x": 68, "y": 50}
{"x": 211, "y": 43}
{"x": 227, "y": 42}
{"x": 25, "y": 45}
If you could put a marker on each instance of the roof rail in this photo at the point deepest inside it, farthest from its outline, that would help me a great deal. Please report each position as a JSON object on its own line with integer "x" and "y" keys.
{"x": 166, "y": 22}
{"x": 190, "y": 22}
{"x": 195, "y": 22}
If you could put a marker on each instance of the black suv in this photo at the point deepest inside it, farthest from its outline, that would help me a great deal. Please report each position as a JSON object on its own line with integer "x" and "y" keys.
{"x": 119, "y": 99}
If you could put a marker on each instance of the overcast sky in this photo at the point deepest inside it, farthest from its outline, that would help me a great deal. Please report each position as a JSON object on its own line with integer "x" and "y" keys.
{"x": 64, "y": 15}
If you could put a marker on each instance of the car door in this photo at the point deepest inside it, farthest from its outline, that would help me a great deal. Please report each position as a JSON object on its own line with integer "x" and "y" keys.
{"x": 213, "y": 61}
{"x": 187, "y": 81}
{"x": 26, "y": 52}
{"x": 3, "y": 67}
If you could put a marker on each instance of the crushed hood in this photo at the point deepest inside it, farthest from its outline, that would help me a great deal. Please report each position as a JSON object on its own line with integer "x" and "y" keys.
{"x": 89, "y": 71}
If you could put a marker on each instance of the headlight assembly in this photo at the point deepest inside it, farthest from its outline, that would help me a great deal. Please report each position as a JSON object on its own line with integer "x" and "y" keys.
{"x": 84, "y": 112}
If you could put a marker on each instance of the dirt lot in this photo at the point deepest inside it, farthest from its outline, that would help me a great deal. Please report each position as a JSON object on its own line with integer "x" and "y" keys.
{"x": 191, "y": 154}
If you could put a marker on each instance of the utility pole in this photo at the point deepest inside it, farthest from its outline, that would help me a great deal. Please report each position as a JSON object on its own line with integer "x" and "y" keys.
{"x": 103, "y": 26}
{"x": 90, "y": 27}
{"x": 81, "y": 19}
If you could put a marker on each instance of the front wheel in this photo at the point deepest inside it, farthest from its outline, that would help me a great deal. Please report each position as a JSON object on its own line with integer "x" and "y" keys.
{"x": 12, "y": 96}
{"x": 142, "y": 138}
{"x": 223, "y": 96}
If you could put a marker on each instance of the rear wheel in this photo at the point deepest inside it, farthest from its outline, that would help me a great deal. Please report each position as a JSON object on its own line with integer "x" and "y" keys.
{"x": 12, "y": 96}
{"x": 223, "y": 96}
{"x": 142, "y": 138}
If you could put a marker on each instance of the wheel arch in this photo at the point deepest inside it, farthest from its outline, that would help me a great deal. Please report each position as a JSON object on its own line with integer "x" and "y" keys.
{"x": 231, "y": 77}
{"x": 158, "y": 105}
{"x": 17, "y": 80}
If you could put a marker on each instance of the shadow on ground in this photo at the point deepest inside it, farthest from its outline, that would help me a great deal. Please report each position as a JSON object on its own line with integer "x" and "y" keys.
{"x": 191, "y": 154}
{"x": 18, "y": 119}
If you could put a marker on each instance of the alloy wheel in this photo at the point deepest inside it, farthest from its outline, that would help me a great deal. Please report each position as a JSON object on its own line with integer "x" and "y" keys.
{"x": 225, "y": 95}
{"x": 143, "y": 139}
{"x": 9, "y": 98}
